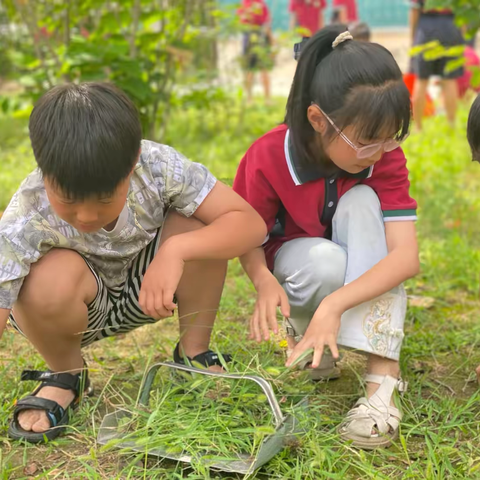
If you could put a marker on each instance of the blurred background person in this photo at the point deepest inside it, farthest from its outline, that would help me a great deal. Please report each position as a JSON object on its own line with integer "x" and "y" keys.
{"x": 344, "y": 11}
{"x": 430, "y": 26}
{"x": 257, "y": 45}
{"x": 307, "y": 15}
{"x": 360, "y": 31}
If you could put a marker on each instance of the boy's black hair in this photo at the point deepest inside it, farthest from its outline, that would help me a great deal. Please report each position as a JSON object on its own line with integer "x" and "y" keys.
{"x": 357, "y": 83}
{"x": 360, "y": 31}
{"x": 85, "y": 138}
{"x": 473, "y": 129}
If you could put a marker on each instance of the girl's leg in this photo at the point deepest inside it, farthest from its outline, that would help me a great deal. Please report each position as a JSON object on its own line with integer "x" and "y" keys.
{"x": 450, "y": 95}
{"x": 419, "y": 101}
{"x": 375, "y": 327}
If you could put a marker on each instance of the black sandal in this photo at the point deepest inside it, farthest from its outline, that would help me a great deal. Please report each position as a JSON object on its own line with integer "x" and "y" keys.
{"x": 207, "y": 359}
{"x": 57, "y": 415}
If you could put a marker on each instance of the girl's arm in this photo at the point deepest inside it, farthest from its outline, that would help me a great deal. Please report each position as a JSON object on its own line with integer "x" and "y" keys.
{"x": 255, "y": 266}
{"x": 270, "y": 295}
{"x": 400, "y": 264}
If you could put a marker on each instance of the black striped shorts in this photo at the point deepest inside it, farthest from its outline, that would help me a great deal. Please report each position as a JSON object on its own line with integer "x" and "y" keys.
{"x": 116, "y": 310}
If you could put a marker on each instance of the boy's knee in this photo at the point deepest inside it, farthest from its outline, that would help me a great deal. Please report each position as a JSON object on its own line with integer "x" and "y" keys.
{"x": 54, "y": 283}
{"x": 359, "y": 198}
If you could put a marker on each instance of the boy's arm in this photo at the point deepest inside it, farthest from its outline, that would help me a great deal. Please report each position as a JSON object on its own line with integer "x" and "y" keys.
{"x": 232, "y": 228}
{"x": 4, "y": 314}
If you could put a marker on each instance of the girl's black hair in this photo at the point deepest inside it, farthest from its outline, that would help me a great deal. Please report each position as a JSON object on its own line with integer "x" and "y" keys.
{"x": 473, "y": 129}
{"x": 356, "y": 83}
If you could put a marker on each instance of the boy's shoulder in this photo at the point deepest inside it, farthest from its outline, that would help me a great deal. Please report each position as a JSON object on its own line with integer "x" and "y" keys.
{"x": 153, "y": 152}
{"x": 30, "y": 197}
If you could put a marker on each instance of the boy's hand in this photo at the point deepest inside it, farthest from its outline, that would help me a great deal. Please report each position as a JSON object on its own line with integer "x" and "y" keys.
{"x": 323, "y": 330}
{"x": 270, "y": 296}
{"x": 160, "y": 283}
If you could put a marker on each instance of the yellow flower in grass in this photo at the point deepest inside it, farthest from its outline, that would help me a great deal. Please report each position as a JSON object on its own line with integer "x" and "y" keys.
{"x": 283, "y": 344}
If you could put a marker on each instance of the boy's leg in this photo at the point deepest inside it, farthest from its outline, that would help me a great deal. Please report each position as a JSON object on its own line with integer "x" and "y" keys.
{"x": 198, "y": 293}
{"x": 52, "y": 312}
{"x": 53, "y": 319}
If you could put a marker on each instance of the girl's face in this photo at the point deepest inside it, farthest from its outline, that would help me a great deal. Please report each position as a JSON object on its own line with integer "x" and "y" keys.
{"x": 339, "y": 146}
{"x": 345, "y": 157}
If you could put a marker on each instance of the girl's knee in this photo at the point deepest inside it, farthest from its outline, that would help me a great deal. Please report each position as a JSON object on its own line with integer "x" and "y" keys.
{"x": 328, "y": 266}
{"x": 322, "y": 274}
{"x": 359, "y": 197}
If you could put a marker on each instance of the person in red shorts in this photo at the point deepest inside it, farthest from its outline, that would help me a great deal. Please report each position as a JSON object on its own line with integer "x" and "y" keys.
{"x": 307, "y": 15}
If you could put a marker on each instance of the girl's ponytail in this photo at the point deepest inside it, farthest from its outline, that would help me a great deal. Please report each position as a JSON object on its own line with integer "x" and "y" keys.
{"x": 312, "y": 53}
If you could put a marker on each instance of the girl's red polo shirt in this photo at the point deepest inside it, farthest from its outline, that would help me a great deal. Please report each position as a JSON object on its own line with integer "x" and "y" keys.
{"x": 300, "y": 202}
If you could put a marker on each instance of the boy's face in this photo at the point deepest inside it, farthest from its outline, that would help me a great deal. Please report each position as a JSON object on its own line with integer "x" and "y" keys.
{"x": 91, "y": 214}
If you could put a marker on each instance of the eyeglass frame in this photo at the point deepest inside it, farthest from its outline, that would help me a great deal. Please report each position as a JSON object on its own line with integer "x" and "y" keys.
{"x": 377, "y": 146}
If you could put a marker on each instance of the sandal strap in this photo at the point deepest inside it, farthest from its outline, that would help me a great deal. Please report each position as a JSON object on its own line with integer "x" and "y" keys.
{"x": 54, "y": 411}
{"x": 207, "y": 359}
{"x": 401, "y": 385}
{"x": 365, "y": 416}
{"x": 66, "y": 381}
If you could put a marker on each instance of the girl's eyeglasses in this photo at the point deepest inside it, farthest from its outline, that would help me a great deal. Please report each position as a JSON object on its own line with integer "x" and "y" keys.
{"x": 368, "y": 150}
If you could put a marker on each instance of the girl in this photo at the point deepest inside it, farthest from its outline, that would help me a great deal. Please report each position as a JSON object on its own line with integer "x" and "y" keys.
{"x": 332, "y": 185}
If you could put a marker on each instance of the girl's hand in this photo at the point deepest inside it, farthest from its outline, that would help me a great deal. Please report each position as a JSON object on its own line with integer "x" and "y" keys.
{"x": 160, "y": 284}
{"x": 323, "y": 330}
{"x": 270, "y": 296}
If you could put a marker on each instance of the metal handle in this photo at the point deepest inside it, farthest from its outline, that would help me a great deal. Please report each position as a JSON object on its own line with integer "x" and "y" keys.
{"x": 264, "y": 385}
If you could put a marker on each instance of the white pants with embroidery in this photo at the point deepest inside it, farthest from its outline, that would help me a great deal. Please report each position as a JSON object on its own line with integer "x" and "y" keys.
{"x": 309, "y": 269}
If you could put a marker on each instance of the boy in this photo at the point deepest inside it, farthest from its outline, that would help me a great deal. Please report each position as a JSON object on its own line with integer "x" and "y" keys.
{"x": 102, "y": 238}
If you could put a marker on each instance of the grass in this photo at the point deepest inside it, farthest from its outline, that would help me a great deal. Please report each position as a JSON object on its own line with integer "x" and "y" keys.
{"x": 441, "y": 427}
